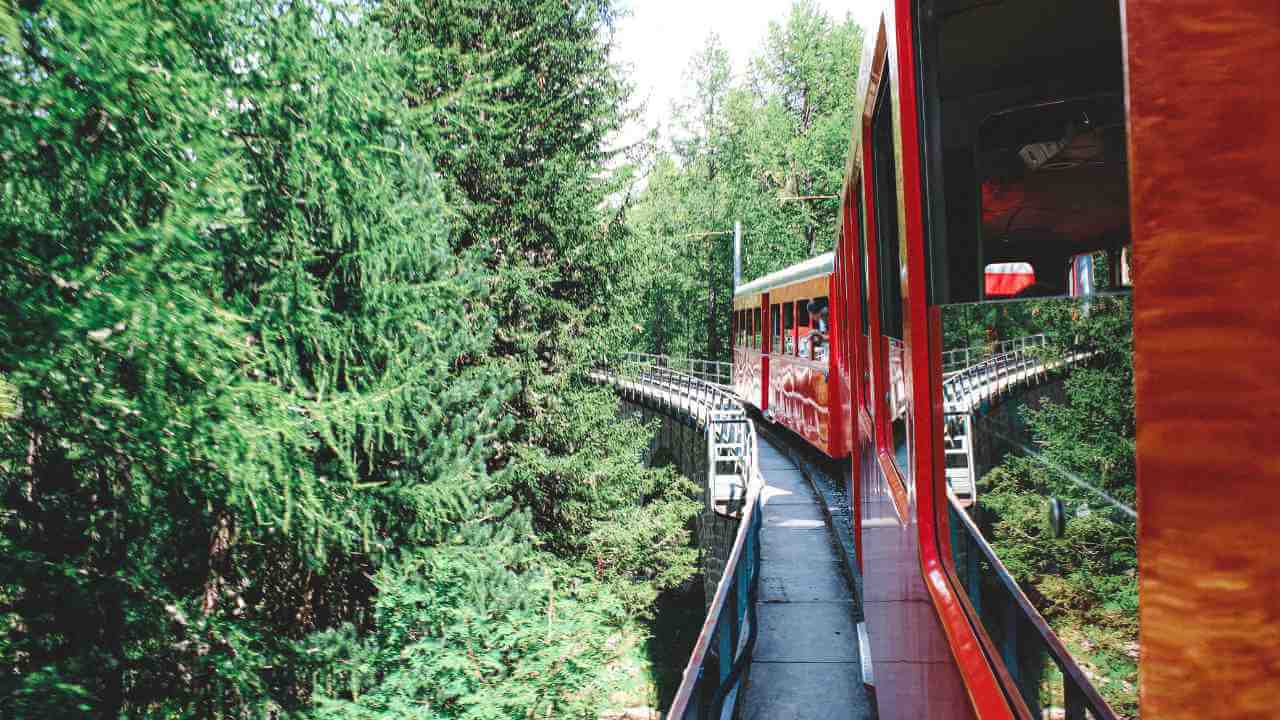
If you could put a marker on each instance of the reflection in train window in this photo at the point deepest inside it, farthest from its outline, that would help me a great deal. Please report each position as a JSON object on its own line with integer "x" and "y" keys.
{"x": 1027, "y": 227}
{"x": 889, "y": 255}
{"x": 864, "y": 303}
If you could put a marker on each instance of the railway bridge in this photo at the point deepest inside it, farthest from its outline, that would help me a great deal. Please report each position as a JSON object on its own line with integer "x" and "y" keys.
{"x": 784, "y": 636}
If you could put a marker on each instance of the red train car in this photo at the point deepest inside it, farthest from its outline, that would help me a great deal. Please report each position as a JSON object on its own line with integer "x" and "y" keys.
{"x": 1086, "y": 151}
{"x": 786, "y": 360}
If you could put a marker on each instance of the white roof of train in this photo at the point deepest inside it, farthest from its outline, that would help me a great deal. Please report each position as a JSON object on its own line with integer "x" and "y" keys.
{"x": 824, "y": 264}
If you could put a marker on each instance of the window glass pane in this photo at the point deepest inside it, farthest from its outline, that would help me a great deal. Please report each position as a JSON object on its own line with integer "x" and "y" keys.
{"x": 775, "y": 338}
{"x": 888, "y": 247}
{"x": 862, "y": 263}
{"x": 889, "y": 252}
{"x": 757, "y": 329}
{"x": 815, "y": 343}
{"x": 802, "y": 331}
{"x": 1038, "y": 423}
{"x": 789, "y": 328}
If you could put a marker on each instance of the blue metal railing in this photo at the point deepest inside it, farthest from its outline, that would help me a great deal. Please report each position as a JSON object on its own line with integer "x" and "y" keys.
{"x": 1048, "y": 679}
{"x": 722, "y": 655}
{"x": 699, "y": 389}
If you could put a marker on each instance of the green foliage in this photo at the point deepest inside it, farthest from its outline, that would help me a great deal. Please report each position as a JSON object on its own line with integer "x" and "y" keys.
{"x": 294, "y": 305}
{"x": 529, "y": 93}
{"x": 737, "y": 149}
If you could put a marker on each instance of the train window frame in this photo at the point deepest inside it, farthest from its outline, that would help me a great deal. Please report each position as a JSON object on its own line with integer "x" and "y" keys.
{"x": 826, "y": 334}
{"x": 895, "y": 434}
{"x": 863, "y": 341}
{"x": 789, "y": 328}
{"x": 775, "y": 326}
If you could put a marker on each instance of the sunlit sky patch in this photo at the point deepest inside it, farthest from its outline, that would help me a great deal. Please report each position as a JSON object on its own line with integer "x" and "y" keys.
{"x": 658, "y": 38}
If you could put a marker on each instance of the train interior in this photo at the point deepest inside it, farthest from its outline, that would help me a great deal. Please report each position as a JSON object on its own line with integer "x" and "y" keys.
{"x": 1025, "y": 138}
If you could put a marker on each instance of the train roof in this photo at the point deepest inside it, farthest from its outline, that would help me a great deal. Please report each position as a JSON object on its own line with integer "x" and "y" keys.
{"x": 823, "y": 264}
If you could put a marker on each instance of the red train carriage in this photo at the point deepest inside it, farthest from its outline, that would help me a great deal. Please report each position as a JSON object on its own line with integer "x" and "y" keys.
{"x": 1011, "y": 164}
{"x": 787, "y": 361}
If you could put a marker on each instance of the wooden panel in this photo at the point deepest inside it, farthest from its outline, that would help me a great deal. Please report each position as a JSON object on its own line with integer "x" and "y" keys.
{"x": 805, "y": 289}
{"x": 1205, "y": 167}
{"x": 746, "y": 302}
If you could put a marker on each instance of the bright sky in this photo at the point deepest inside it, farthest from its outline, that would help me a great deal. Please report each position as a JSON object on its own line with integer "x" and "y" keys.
{"x": 659, "y": 38}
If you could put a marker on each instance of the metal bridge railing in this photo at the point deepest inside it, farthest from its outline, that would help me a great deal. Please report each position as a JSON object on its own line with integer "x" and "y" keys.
{"x": 1023, "y": 639}
{"x": 711, "y": 371}
{"x": 700, "y": 389}
{"x": 1017, "y": 361}
{"x": 713, "y": 676}
{"x": 962, "y": 358}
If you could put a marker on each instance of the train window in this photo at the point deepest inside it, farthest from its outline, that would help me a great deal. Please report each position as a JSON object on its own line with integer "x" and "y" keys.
{"x": 789, "y": 328}
{"x": 815, "y": 344}
{"x": 757, "y": 330}
{"x": 865, "y": 270}
{"x": 775, "y": 337}
{"x": 864, "y": 260}
{"x": 802, "y": 328}
{"x": 1027, "y": 223}
{"x": 890, "y": 251}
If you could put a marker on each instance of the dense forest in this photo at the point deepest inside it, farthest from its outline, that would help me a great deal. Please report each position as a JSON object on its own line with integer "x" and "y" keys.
{"x": 296, "y": 302}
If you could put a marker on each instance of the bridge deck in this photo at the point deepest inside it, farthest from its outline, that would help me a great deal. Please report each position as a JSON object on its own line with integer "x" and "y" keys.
{"x": 806, "y": 661}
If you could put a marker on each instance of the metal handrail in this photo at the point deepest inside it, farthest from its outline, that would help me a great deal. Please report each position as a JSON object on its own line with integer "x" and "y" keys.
{"x": 731, "y": 622}
{"x": 961, "y": 358}
{"x": 967, "y": 388}
{"x": 712, "y": 371}
{"x": 714, "y": 673}
{"x": 1079, "y": 694}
